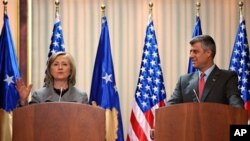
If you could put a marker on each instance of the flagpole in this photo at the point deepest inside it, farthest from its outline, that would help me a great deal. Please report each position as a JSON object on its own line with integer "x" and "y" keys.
{"x": 198, "y": 4}
{"x": 150, "y": 4}
{"x": 5, "y": 3}
{"x": 150, "y": 7}
{"x": 241, "y": 4}
{"x": 241, "y": 7}
{"x": 57, "y": 3}
{"x": 103, "y": 7}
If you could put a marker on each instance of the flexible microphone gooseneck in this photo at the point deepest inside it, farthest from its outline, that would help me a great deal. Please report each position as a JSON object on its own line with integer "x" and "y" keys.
{"x": 61, "y": 89}
{"x": 196, "y": 96}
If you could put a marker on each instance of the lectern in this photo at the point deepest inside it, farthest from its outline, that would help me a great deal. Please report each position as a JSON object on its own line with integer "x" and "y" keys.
{"x": 59, "y": 122}
{"x": 197, "y": 122}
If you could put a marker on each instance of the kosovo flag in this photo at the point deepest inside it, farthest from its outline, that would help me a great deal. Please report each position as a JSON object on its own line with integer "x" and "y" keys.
{"x": 9, "y": 71}
{"x": 103, "y": 88}
{"x": 197, "y": 31}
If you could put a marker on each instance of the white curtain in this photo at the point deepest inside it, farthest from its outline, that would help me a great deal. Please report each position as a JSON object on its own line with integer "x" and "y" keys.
{"x": 127, "y": 19}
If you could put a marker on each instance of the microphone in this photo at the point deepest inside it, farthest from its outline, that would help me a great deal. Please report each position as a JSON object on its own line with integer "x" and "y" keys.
{"x": 196, "y": 95}
{"x": 60, "y": 94}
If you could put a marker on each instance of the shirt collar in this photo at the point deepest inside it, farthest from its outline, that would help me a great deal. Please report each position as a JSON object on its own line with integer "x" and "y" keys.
{"x": 207, "y": 72}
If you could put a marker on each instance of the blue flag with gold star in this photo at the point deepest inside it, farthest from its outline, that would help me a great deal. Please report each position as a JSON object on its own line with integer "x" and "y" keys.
{"x": 197, "y": 31}
{"x": 9, "y": 71}
{"x": 103, "y": 87}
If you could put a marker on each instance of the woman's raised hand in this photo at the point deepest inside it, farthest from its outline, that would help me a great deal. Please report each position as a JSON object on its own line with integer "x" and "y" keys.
{"x": 23, "y": 90}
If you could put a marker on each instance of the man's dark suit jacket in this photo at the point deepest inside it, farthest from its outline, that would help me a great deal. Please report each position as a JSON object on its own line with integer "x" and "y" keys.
{"x": 221, "y": 87}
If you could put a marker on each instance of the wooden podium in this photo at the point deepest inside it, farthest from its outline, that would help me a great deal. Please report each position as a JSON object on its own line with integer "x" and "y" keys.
{"x": 197, "y": 122}
{"x": 62, "y": 121}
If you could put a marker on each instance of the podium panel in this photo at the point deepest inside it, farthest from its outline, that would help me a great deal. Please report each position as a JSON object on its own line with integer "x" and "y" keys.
{"x": 197, "y": 122}
{"x": 62, "y": 121}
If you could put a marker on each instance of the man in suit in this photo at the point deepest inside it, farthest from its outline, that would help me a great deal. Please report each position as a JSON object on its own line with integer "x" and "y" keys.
{"x": 209, "y": 83}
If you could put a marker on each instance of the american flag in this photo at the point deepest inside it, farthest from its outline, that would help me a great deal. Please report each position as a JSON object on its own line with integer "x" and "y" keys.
{"x": 240, "y": 63}
{"x": 150, "y": 92}
{"x": 9, "y": 71}
{"x": 57, "y": 42}
{"x": 197, "y": 31}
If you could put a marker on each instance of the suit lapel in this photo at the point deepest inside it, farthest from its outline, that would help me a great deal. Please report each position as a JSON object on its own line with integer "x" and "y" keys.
{"x": 193, "y": 83}
{"x": 52, "y": 97}
{"x": 212, "y": 78}
{"x": 68, "y": 96}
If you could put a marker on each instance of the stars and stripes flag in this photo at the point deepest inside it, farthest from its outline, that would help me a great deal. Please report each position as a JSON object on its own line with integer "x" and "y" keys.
{"x": 9, "y": 71}
{"x": 150, "y": 91}
{"x": 240, "y": 62}
{"x": 197, "y": 31}
{"x": 57, "y": 42}
{"x": 103, "y": 88}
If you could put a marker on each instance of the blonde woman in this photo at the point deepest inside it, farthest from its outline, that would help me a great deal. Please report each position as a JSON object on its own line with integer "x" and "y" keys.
{"x": 59, "y": 83}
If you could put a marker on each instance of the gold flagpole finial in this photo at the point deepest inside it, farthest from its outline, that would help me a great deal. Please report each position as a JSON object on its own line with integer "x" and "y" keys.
{"x": 5, "y": 3}
{"x": 57, "y": 3}
{"x": 150, "y": 7}
{"x": 198, "y": 5}
{"x": 103, "y": 7}
{"x": 241, "y": 6}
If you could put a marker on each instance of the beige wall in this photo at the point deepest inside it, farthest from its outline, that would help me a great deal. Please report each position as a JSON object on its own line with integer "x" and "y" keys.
{"x": 127, "y": 19}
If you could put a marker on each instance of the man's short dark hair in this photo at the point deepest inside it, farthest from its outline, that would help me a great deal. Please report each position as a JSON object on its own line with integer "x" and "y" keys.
{"x": 206, "y": 41}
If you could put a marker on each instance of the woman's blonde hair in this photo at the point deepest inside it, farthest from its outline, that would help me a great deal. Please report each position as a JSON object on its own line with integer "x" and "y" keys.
{"x": 48, "y": 80}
